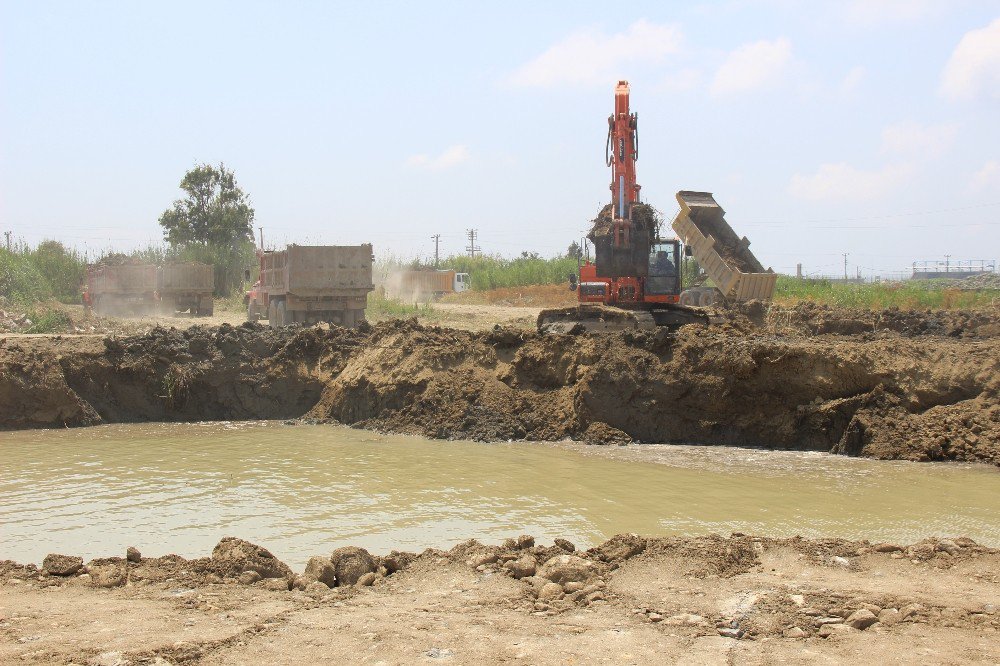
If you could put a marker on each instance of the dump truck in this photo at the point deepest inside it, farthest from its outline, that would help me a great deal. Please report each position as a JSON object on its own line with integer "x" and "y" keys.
{"x": 636, "y": 279}
{"x": 312, "y": 283}
{"x": 425, "y": 285}
{"x": 725, "y": 258}
{"x": 186, "y": 287}
{"x": 121, "y": 289}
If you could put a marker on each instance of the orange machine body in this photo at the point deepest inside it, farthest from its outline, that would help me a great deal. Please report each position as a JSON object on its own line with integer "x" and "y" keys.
{"x": 627, "y": 291}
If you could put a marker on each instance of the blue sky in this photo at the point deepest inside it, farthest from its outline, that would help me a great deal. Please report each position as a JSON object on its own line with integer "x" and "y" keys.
{"x": 867, "y": 128}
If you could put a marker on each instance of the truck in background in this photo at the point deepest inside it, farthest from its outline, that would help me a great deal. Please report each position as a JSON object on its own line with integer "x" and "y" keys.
{"x": 312, "y": 283}
{"x": 186, "y": 286}
{"x": 121, "y": 289}
{"x": 135, "y": 288}
{"x": 425, "y": 285}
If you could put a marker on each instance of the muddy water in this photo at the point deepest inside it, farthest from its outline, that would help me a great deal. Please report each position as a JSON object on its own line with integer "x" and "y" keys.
{"x": 307, "y": 489}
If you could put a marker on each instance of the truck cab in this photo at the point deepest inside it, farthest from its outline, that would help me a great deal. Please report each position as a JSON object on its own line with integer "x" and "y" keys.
{"x": 462, "y": 282}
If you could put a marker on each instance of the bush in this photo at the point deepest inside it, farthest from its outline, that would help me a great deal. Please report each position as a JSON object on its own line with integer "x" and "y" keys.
{"x": 20, "y": 281}
{"x": 64, "y": 269}
{"x": 50, "y": 321}
{"x": 381, "y": 307}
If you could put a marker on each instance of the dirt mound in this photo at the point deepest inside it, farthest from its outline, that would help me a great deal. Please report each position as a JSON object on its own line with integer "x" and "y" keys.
{"x": 815, "y": 319}
{"x": 922, "y": 397}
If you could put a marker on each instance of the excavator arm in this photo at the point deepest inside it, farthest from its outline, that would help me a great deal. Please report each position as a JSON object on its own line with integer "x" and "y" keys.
{"x": 621, "y": 152}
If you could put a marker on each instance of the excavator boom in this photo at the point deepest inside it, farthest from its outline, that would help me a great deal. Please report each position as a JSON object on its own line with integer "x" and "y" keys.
{"x": 621, "y": 152}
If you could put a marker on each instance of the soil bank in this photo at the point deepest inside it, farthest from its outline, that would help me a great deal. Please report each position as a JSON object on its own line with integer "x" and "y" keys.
{"x": 900, "y": 385}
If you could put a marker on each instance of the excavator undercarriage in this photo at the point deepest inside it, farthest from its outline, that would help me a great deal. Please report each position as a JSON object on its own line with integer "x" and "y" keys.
{"x": 596, "y": 318}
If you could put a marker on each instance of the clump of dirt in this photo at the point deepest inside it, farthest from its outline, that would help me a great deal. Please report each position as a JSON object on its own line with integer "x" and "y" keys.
{"x": 916, "y": 396}
{"x": 615, "y": 262}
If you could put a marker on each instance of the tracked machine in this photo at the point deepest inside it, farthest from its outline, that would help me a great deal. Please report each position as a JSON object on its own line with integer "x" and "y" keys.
{"x": 635, "y": 280}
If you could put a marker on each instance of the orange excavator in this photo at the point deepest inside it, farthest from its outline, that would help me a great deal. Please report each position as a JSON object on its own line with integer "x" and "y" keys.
{"x": 635, "y": 279}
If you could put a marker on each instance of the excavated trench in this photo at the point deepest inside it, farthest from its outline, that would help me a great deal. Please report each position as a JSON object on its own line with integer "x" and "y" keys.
{"x": 919, "y": 386}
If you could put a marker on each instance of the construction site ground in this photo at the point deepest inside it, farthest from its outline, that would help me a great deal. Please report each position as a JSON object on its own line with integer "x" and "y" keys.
{"x": 921, "y": 386}
{"x": 632, "y": 600}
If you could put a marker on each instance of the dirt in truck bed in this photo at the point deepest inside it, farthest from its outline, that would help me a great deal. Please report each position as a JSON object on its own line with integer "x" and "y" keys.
{"x": 711, "y": 599}
{"x": 917, "y": 386}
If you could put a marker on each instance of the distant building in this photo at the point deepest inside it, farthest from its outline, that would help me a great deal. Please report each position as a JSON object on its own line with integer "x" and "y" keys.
{"x": 963, "y": 268}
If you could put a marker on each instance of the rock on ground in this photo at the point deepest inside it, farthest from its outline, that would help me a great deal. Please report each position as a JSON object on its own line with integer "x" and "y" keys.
{"x": 350, "y": 563}
{"x": 567, "y": 569}
{"x": 245, "y": 556}
{"x": 109, "y": 574}
{"x": 62, "y": 565}
{"x": 321, "y": 569}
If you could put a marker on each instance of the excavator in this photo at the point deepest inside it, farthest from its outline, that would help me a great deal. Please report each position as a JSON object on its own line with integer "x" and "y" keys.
{"x": 635, "y": 280}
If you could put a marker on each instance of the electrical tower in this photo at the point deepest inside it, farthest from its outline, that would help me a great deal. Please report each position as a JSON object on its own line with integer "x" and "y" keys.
{"x": 437, "y": 243}
{"x": 7, "y": 235}
{"x": 472, "y": 248}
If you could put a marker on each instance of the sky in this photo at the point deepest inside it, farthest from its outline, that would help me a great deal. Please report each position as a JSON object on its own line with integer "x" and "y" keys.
{"x": 867, "y": 128}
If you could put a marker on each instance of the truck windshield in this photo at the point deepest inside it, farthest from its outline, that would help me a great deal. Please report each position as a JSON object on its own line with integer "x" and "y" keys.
{"x": 663, "y": 274}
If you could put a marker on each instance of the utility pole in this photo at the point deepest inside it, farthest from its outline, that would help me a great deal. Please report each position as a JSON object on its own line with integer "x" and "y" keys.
{"x": 7, "y": 235}
{"x": 437, "y": 243}
{"x": 261, "y": 238}
{"x": 845, "y": 265}
{"x": 947, "y": 266}
{"x": 472, "y": 247}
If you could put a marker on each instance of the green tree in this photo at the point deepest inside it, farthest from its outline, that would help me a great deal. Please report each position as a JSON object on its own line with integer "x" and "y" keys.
{"x": 215, "y": 211}
{"x": 212, "y": 223}
{"x": 574, "y": 251}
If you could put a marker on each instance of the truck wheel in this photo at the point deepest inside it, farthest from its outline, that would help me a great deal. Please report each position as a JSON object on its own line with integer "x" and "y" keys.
{"x": 687, "y": 298}
{"x": 272, "y": 314}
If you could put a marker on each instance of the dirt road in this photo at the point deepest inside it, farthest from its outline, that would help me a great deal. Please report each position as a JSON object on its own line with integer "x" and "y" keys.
{"x": 635, "y": 601}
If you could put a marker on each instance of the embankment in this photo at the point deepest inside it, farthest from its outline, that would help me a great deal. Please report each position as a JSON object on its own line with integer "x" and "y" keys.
{"x": 917, "y": 387}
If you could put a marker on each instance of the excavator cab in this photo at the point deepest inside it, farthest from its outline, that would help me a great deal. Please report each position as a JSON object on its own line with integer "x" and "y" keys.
{"x": 664, "y": 268}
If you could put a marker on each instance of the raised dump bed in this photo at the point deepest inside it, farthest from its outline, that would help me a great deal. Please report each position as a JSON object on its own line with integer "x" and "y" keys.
{"x": 726, "y": 259}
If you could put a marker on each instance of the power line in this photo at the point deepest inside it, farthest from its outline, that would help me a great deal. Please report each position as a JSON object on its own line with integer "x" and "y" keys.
{"x": 472, "y": 248}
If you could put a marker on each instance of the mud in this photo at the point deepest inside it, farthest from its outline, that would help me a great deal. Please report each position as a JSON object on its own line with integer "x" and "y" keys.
{"x": 708, "y": 597}
{"x": 928, "y": 391}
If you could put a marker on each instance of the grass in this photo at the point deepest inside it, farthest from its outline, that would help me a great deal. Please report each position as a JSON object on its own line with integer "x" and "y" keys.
{"x": 490, "y": 271}
{"x": 48, "y": 321}
{"x": 381, "y": 307}
{"x": 879, "y": 296}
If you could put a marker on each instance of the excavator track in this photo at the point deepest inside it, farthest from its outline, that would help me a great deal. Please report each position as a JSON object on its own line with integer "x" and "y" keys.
{"x": 608, "y": 319}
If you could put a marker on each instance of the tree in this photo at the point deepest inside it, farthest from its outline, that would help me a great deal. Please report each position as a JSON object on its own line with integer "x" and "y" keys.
{"x": 214, "y": 212}
{"x": 212, "y": 224}
{"x": 574, "y": 251}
